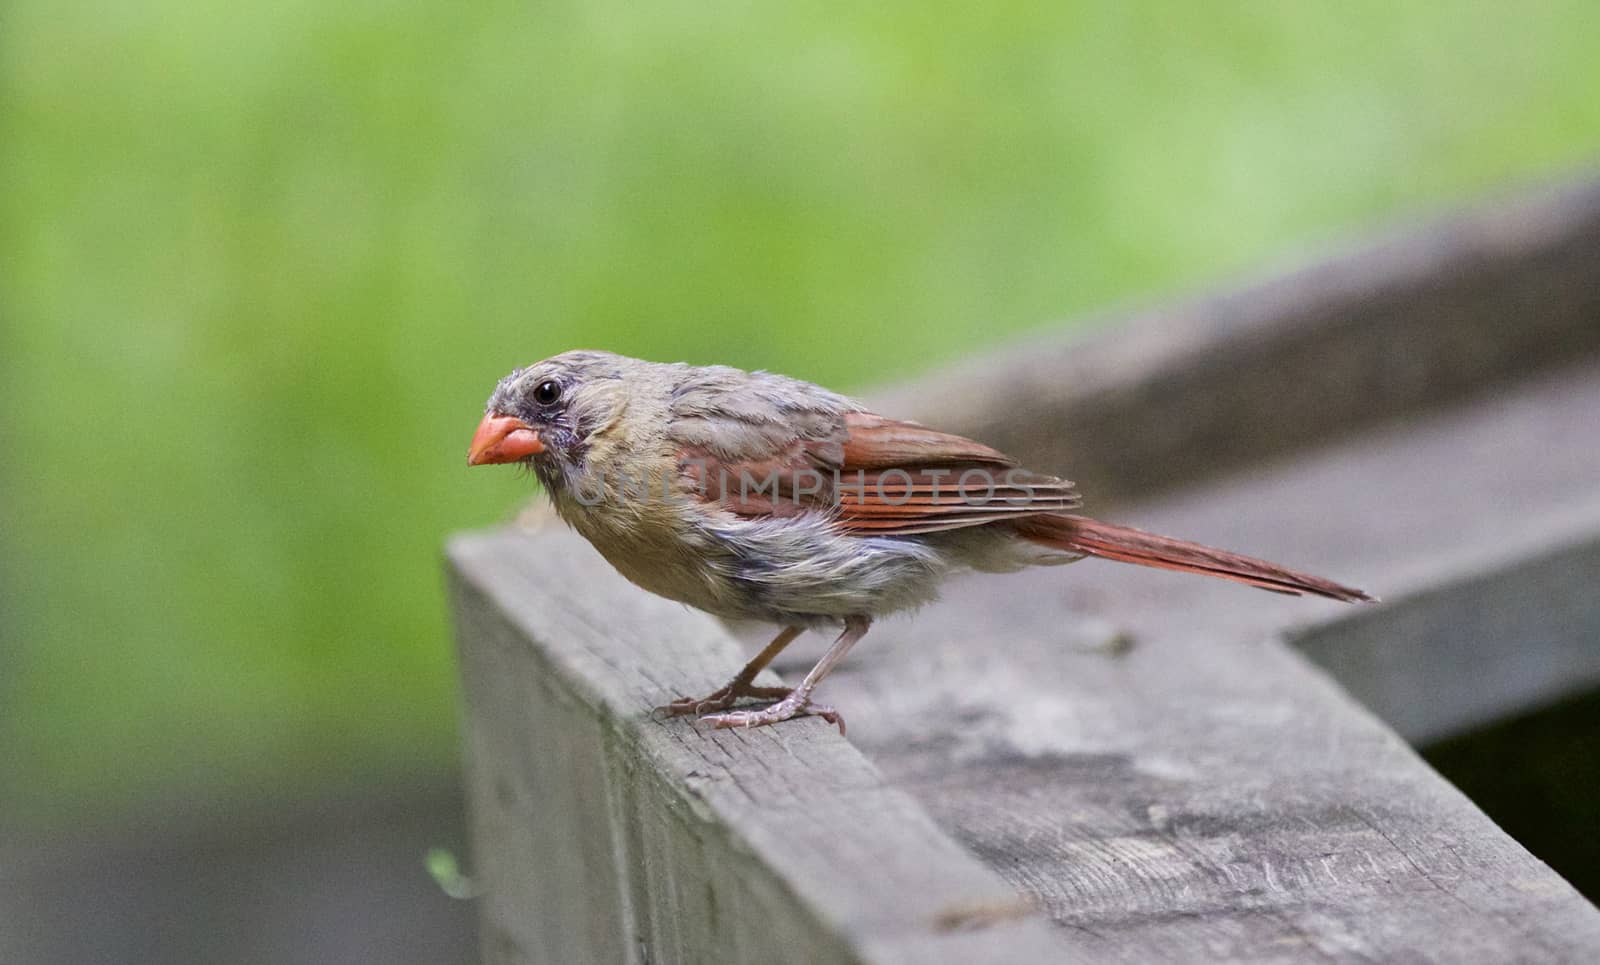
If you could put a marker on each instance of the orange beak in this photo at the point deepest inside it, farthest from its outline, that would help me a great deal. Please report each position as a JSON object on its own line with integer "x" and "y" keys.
{"x": 503, "y": 438}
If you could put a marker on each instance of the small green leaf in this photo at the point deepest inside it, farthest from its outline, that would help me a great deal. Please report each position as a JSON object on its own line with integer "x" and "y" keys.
{"x": 441, "y": 863}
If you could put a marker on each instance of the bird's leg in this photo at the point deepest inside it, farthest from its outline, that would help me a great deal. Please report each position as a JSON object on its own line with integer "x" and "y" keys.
{"x": 797, "y": 703}
{"x": 740, "y": 686}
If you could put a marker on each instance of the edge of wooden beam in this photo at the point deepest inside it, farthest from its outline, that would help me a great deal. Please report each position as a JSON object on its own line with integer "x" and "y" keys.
{"x": 1513, "y": 632}
{"x": 1416, "y": 319}
{"x": 602, "y": 833}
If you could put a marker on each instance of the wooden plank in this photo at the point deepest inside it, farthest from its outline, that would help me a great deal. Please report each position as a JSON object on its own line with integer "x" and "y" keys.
{"x": 1192, "y": 788}
{"x": 605, "y": 835}
{"x": 1170, "y": 396}
{"x": 1514, "y": 634}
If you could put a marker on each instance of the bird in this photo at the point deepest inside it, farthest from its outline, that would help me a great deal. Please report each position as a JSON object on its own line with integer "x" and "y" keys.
{"x": 751, "y": 495}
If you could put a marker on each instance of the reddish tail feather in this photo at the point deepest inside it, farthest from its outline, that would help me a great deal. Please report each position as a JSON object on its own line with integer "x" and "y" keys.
{"x": 1080, "y": 534}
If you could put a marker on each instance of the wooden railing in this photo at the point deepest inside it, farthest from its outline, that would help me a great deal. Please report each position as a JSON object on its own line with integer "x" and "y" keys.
{"x": 1102, "y": 763}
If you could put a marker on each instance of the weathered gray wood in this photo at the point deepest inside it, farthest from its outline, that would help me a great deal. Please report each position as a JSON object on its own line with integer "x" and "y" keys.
{"x": 1501, "y": 640}
{"x": 1167, "y": 397}
{"x": 605, "y": 835}
{"x": 1202, "y": 792}
{"x": 1143, "y": 754}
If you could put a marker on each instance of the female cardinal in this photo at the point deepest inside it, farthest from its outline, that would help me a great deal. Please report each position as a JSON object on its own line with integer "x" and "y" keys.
{"x": 748, "y": 494}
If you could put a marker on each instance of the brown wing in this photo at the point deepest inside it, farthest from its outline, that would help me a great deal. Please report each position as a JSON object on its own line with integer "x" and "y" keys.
{"x": 879, "y": 477}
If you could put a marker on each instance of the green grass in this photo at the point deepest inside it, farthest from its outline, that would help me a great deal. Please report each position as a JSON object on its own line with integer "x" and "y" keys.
{"x": 261, "y": 264}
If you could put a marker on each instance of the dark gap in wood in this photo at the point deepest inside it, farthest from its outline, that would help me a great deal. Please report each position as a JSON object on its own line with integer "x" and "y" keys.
{"x": 1538, "y": 776}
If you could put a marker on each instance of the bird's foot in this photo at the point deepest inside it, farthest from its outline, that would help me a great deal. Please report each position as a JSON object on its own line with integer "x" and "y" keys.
{"x": 793, "y": 705}
{"x": 721, "y": 699}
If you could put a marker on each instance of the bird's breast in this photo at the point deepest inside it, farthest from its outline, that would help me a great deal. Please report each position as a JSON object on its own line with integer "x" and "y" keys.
{"x": 656, "y": 545}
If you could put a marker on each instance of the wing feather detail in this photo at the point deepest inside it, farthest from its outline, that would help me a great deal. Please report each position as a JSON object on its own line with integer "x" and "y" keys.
{"x": 876, "y": 477}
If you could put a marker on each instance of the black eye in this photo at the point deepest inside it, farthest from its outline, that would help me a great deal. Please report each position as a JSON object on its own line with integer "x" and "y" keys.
{"x": 546, "y": 393}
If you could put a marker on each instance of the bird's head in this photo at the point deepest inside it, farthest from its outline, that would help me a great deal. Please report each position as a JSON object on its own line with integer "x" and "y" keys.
{"x": 545, "y": 414}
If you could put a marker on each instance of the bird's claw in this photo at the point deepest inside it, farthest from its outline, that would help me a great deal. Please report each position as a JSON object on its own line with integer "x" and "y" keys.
{"x": 788, "y": 708}
{"x": 721, "y": 699}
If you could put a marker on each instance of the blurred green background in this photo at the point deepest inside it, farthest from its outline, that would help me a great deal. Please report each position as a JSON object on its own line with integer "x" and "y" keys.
{"x": 260, "y": 265}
